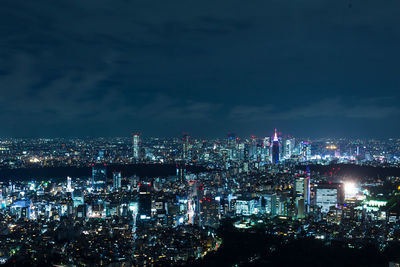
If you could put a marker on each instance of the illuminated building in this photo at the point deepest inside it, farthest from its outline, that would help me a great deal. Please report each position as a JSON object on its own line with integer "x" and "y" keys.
{"x": 241, "y": 151}
{"x": 77, "y": 198}
{"x": 247, "y": 207}
{"x": 144, "y": 208}
{"x": 267, "y": 147}
{"x": 100, "y": 157}
{"x": 275, "y": 149}
{"x": 181, "y": 171}
{"x": 209, "y": 212}
{"x": 305, "y": 150}
{"x": 21, "y": 209}
{"x": 253, "y": 149}
{"x": 185, "y": 147}
{"x": 69, "y": 186}
{"x": 289, "y": 147}
{"x": 279, "y": 205}
{"x": 116, "y": 180}
{"x": 99, "y": 176}
{"x": 329, "y": 195}
{"x": 301, "y": 188}
{"x": 136, "y": 146}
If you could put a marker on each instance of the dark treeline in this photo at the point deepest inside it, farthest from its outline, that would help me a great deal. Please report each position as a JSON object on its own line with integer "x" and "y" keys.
{"x": 141, "y": 170}
{"x": 356, "y": 171}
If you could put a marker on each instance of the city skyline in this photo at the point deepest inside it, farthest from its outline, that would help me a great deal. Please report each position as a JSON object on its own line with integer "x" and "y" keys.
{"x": 200, "y": 133}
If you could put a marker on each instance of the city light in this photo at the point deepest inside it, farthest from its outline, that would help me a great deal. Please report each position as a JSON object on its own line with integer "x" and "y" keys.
{"x": 350, "y": 189}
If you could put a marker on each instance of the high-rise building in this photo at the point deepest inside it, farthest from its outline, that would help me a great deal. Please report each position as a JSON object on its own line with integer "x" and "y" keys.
{"x": 77, "y": 198}
{"x": 253, "y": 148}
{"x": 241, "y": 150}
{"x": 267, "y": 147}
{"x": 275, "y": 149}
{"x": 136, "y": 146}
{"x": 117, "y": 180}
{"x": 305, "y": 150}
{"x": 181, "y": 171}
{"x": 185, "y": 147}
{"x": 302, "y": 195}
{"x": 289, "y": 147}
{"x": 69, "y": 184}
{"x": 209, "y": 212}
{"x": 144, "y": 208}
{"x": 99, "y": 176}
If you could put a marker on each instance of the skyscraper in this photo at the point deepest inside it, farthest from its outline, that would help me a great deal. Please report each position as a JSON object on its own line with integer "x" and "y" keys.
{"x": 275, "y": 149}
{"x": 302, "y": 189}
{"x": 289, "y": 146}
{"x": 69, "y": 184}
{"x": 136, "y": 146}
{"x": 144, "y": 209}
{"x": 267, "y": 147}
{"x": 116, "y": 180}
{"x": 99, "y": 176}
{"x": 305, "y": 150}
{"x": 185, "y": 147}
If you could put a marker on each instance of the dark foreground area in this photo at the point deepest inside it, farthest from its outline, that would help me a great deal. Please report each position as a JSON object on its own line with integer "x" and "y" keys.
{"x": 141, "y": 170}
{"x": 255, "y": 248}
{"x": 353, "y": 170}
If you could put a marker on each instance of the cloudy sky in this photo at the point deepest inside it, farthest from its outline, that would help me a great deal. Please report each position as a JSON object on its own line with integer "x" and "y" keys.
{"x": 108, "y": 68}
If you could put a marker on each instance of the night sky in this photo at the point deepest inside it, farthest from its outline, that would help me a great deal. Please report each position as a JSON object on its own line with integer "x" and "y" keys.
{"x": 310, "y": 68}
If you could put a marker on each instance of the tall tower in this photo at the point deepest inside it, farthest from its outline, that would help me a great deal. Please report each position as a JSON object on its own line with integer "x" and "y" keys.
{"x": 302, "y": 194}
{"x": 144, "y": 209}
{"x": 69, "y": 185}
{"x": 275, "y": 149}
{"x": 289, "y": 146}
{"x": 307, "y": 190}
{"x": 136, "y": 145}
{"x": 267, "y": 148}
{"x": 305, "y": 150}
{"x": 185, "y": 147}
{"x": 116, "y": 180}
{"x": 99, "y": 176}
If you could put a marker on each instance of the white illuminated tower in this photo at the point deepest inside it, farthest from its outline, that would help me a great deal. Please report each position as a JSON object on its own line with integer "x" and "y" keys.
{"x": 69, "y": 184}
{"x": 289, "y": 146}
{"x": 116, "y": 180}
{"x": 136, "y": 145}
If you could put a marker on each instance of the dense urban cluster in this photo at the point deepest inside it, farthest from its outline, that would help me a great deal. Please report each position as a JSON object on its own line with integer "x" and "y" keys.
{"x": 111, "y": 218}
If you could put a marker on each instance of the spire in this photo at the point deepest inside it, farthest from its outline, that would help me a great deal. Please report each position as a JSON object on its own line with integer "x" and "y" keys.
{"x": 275, "y": 136}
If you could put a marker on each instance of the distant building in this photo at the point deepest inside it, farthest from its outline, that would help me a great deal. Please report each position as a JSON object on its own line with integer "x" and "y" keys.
{"x": 247, "y": 207}
{"x": 117, "y": 180}
{"x": 305, "y": 150}
{"x": 185, "y": 147}
{"x": 136, "y": 146}
{"x": 289, "y": 147}
{"x": 267, "y": 148}
{"x": 77, "y": 198}
{"x": 69, "y": 184}
{"x": 275, "y": 149}
{"x": 99, "y": 176}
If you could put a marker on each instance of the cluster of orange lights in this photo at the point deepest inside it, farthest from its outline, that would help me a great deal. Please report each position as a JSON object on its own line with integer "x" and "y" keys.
{"x": 331, "y": 147}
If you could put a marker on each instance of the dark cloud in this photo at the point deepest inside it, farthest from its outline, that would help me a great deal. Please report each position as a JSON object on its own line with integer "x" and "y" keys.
{"x": 163, "y": 67}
